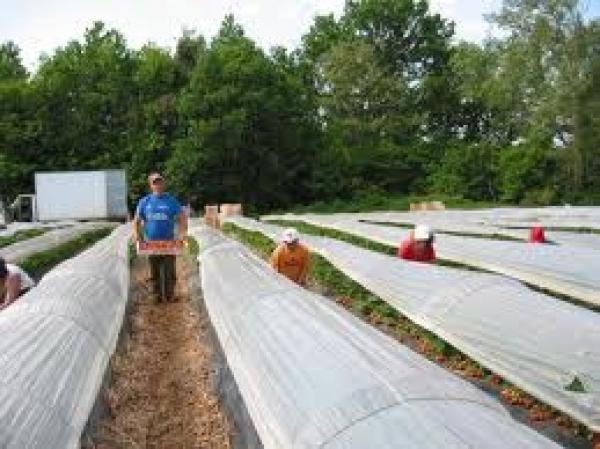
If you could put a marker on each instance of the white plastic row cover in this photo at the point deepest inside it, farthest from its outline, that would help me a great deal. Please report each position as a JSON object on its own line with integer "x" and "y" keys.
{"x": 567, "y": 270}
{"x": 562, "y": 217}
{"x": 480, "y": 222}
{"x": 567, "y": 217}
{"x": 539, "y": 343}
{"x": 21, "y": 250}
{"x": 15, "y": 227}
{"x": 56, "y": 344}
{"x": 314, "y": 376}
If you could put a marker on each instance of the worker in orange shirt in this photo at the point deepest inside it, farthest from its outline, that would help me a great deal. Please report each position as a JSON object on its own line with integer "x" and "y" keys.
{"x": 418, "y": 246}
{"x": 291, "y": 258}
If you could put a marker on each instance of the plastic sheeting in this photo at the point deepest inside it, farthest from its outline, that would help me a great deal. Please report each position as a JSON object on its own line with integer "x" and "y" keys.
{"x": 537, "y": 342}
{"x": 314, "y": 376}
{"x": 480, "y": 222}
{"x": 569, "y": 217}
{"x": 56, "y": 344}
{"x": 576, "y": 217}
{"x": 14, "y": 227}
{"x": 443, "y": 221}
{"x": 581, "y": 240}
{"x": 509, "y": 222}
{"x": 21, "y": 250}
{"x": 567, "y": 270}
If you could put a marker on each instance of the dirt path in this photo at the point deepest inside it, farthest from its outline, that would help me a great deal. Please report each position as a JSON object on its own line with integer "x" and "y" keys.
{"x": 160, "y": 396}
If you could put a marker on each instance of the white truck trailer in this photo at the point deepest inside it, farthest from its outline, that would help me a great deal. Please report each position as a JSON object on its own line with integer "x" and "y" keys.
{"x": 77, "y": 195}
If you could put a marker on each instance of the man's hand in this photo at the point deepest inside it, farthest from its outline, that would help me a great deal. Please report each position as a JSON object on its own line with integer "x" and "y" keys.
{"x": 136, "y": 230}
{"x": 302, "y": 282}
{"x": 182, "y": 225}
{"x": 13, "y": 289}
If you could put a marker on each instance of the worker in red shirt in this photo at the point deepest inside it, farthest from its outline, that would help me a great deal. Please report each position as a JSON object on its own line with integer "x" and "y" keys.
{"x": 418, "y": 246}
{"x": 537, "y": 235}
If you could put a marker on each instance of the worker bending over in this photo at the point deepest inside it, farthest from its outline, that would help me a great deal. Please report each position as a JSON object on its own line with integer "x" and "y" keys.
{"x": 537, "y": 235}
{"x": 14, "y": 282}
{"x": 418, "y": 246}
{"x": 291, "y": 258}
{"x": 157, "y": 214}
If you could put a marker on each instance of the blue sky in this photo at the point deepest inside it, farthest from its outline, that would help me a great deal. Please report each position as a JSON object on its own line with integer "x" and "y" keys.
{"x": 42, "y": 25}
{"x": 593, "y": 8}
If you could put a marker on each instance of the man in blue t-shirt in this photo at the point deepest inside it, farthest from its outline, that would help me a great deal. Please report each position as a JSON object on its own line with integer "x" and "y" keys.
{"x": 157, "y": 214}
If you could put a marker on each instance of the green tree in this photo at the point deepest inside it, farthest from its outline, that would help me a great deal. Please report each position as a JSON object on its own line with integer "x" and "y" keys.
{"x": 189, "y": 49}
{"x": 87, "y": 94}
{"x": 531, "y": 64}
{"x": 527, "y": 172}
{"x": 380, "y": 71}
{"x": 578, "y": 105}
{"x": 468, "y": 171}
{"x": 371, "y": 130}
{"x": 408, "y": 40}
{"x": 18, "y": 127}
{"x": 11, "y": 66}
{"x": 324, "y": 33}
{"x": 154, "y": 120}
{"x": 250, "y": 129}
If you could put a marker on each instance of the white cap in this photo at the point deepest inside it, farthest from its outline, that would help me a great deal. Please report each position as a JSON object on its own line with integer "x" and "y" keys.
{"x": 290, "y": 235}
{"x": 423, "y": 232}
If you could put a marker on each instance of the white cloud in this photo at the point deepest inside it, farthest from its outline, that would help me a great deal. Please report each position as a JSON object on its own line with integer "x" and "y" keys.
{"x": 468, "y": 16}
{"x": 38, "y": 26}
{"x": 41, "y": 26}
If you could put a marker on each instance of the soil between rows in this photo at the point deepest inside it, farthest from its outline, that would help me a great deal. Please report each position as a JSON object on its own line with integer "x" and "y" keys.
{"x": 161, "y": 396}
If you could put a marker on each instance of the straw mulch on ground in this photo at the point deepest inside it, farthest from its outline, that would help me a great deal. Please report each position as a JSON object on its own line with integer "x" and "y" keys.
{"x": 160, "y": 397}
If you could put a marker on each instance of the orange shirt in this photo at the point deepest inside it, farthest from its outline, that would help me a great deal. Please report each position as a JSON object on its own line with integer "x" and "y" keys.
{"x": 291, "y": 262}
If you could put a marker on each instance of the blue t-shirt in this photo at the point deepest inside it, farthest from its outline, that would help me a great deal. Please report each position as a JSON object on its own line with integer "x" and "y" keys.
{"x": 159, "y": 213}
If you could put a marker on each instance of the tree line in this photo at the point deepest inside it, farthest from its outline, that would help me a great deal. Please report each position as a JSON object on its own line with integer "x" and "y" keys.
{"x": 380, "y": 101}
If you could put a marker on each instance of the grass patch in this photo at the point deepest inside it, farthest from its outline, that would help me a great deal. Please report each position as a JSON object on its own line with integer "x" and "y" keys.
{"x": 192, "y": 249}
{"x": 20, "y": 236}
{"x": 372, "y": 309}
{"x": 261, "y": 244}
{"x": 307, "y": 228}
{"x": 131, "y": 252}
{"x": 576, "y": 386}
{"x": 39, "y": 264}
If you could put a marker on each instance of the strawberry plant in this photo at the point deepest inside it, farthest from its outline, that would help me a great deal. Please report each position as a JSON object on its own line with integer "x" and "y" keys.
{"x": 20, "y": 236}
{"x": 39, "y": 264}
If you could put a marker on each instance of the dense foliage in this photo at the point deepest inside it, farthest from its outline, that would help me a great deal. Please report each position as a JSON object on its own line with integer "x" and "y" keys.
{"x": 380, "y": 101}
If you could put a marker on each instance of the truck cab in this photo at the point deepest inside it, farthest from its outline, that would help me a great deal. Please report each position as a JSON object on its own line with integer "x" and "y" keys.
{"x": 23, "y": 208}
{"x": 3, "y": 217}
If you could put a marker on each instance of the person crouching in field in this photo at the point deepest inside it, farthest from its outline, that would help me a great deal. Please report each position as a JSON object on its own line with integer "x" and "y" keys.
{"x": 418, "y": 246}
{"x": 291, "y": 258}
{"x": 14, "y": 282}
{"x": 157, "y": 215}
{"x": 537, "y": 235}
